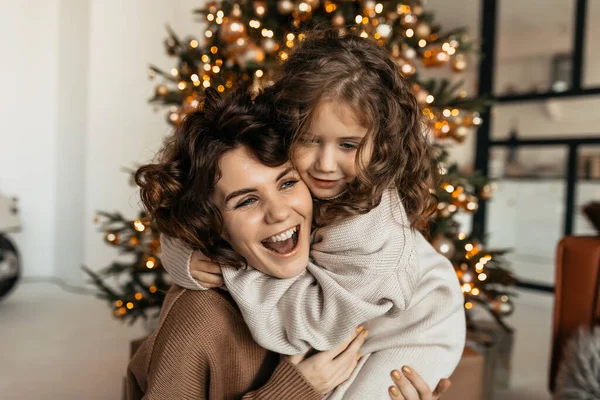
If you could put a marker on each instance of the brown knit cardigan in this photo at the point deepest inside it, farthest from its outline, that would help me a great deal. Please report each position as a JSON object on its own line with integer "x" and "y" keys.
{"x": 202, "y": 349}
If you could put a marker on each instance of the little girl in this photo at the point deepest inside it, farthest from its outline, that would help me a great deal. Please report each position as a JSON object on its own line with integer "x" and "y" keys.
{"x": 357, "y": 142}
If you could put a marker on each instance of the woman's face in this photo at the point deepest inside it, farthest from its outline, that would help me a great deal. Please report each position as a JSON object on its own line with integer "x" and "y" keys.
{"x": 326, "y": 157}
{"x": 267, "y": 213}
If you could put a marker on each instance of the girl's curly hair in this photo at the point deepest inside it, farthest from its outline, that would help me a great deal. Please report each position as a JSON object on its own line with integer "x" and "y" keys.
{"x": 177, "y": 189}
{"x": 329, "y": 65}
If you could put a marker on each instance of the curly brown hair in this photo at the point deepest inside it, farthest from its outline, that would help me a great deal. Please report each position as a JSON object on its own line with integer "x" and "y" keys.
{"x": 329, "y": 65}
{"x": 177, "y": 189}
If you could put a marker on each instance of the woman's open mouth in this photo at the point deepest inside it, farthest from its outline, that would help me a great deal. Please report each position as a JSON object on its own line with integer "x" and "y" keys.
{"x": 283, "y": 243}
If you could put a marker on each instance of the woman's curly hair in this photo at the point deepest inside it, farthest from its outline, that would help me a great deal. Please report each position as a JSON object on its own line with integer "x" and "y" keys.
{"x": 343, "y": 68}
{"x": 177, "y": 189}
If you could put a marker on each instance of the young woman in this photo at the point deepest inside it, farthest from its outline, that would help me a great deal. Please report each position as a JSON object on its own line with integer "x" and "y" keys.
{"x": 202, "y": 348}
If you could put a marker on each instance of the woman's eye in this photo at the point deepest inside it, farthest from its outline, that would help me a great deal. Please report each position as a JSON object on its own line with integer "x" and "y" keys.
{"x": 289, "y": 184}
{"x": 245, "y": 203}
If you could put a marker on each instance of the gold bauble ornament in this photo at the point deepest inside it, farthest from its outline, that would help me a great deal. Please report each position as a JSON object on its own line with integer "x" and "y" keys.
{"x": 384, "y": 30}
{"x": 486, "y": 192}
{"x": 303, "y": 11}
{"x": 213, "y": 6}
{"x": 459, "y": 62}
{"x": 174, "y": 118}
{"x": 260, "y": 7}
{"x": 112, "y": 237}
{"x": 338, "y": 20}
{"x": 409, "y": 52}
{"x": 444, "y": 246}
{"x": 313, "y": 3}
{"x": 251, "y": 54}
{"x": 422, "y": 30}
{"x": 420, "y": 94}
{"x": 459, "y": 133}
{"x": 502, "y": 307}
{"x": 236, "y": 12}
{"x": 232, "y": 30}
{"x": 441, "y": 128}
{"x": 391, "y": 16}
{"x": 407, "y": 67}
{"x": 471, "y": 203}
{"x": 435, "y": 56}
{"x": 408, "y": 20}
{"x": 161, "y": 91}
{"x": 443, "y": 211}
{"x": 368, "y": 5}
{"x": 191, "y": 103}
{"x": 270, "y": 45}
{"x": 285, "y": 7}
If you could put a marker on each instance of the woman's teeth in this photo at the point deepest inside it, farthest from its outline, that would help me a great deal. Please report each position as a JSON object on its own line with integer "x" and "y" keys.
{"x": 282, "y": 236}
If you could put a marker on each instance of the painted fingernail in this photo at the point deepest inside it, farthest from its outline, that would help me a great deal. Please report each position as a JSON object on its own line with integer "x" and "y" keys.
{"x": 360, "y": 328}
{"x": 406, "y": 370}
{"x": 396, "y": 374}
{"x": 365, "y": 333}
{"x": 394, "y": 391}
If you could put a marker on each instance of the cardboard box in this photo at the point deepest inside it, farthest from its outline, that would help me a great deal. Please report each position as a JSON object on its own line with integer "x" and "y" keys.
{"x": 468, "y": 377}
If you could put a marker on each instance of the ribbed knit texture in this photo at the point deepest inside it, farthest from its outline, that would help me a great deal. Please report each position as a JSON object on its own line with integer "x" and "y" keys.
{"x": 202, "y": 349}
{"x": 174, "y": 255}
{"x": 370, "y": 267}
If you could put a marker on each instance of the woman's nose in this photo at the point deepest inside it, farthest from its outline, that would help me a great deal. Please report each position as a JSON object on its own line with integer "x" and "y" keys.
{"x": 277, "y": 211}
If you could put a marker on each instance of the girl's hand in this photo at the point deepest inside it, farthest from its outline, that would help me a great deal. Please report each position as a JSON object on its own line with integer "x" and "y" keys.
{"x": 410, "y": 386}
{"x": 328, "y": 369}
{"x": 205, "y": 272}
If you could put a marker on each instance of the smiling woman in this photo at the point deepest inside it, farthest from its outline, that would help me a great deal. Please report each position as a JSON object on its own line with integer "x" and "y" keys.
{"x": 267, "y": 213}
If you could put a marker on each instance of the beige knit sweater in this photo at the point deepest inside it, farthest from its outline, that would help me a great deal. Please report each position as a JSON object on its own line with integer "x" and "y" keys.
{"x": 370, "y": 267}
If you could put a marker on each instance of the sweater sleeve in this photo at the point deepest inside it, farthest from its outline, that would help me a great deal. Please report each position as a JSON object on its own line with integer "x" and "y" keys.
{"x": 175, "y": 257}
{"x": 287, "y": 382}
{"x": 364, "y": 267}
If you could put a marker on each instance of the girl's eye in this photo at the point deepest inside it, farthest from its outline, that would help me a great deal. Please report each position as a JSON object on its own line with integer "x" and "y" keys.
{"x": 288, "y": 184}
{"x": 245, "y": 203}
{"x": 349, "y": 146}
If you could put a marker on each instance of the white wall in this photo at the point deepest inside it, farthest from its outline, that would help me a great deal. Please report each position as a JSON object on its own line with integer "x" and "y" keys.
{"x": 122, "y": 129}
{"x": 28, "y": 138}
{"x": 75, "y": 112}
{"x": 73, "y": 68}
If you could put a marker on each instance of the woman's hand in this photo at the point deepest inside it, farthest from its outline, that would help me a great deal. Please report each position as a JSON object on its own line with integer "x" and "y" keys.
{"x": 328, "y": 369}
{"x": 410, "y": 386}
{"x": 205, "y": 272}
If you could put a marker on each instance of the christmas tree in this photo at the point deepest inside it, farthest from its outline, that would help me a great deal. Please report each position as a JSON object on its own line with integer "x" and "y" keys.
{"x": 248, "y": 40}
{"x": 141, "y": 281}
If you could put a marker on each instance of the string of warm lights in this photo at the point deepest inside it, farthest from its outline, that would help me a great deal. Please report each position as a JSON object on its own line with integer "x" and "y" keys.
{"x": 250, "y": 39}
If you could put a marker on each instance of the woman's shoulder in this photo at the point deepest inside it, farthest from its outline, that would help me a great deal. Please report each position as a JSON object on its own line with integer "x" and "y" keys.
{"x": 189, "y": 314}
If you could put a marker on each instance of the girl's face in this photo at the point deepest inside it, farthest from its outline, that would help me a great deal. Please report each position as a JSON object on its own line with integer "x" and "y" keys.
{"x": 326, "y": 157}
{"x": 267, "y": 213}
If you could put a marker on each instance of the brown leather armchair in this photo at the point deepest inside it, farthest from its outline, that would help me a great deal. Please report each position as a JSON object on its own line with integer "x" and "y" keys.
{"x": 577, "y": 293}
